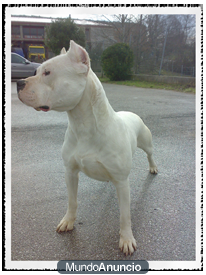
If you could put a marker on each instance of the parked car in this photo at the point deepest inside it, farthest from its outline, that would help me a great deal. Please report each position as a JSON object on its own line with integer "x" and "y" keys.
{"x": 21, "y": 67}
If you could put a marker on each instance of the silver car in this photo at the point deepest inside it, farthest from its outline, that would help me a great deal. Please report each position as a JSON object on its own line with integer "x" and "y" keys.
{"x": 21, "y": 67}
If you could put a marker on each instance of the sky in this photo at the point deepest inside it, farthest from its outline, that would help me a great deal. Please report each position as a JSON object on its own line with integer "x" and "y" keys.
{"x": 74, "y": 16}
{"x": 76, "y": 13}
{"x": 94, "y": 12}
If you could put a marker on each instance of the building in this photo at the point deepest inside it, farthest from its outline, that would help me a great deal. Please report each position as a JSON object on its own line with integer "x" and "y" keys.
{"x": 30, "y": 30}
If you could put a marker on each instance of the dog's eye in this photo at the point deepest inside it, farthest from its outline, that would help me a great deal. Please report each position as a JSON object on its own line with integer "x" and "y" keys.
{"x": 46, "y": 72}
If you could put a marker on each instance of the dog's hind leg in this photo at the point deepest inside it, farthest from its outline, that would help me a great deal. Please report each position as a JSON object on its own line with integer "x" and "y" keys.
{"x": 127, "y": 242}
{"x": 67, "y": 222}
{"x": 144, "y": 141}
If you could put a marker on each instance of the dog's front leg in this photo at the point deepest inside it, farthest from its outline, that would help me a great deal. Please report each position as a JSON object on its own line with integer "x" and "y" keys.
{"x": 67, "y": 222}
{"x": 127, "y": 242}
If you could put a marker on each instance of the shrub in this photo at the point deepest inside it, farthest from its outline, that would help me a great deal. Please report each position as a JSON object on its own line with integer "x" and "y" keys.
{"x": 117, "y": 62}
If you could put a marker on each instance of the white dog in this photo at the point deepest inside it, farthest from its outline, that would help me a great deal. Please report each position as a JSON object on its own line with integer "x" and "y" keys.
{"x": 99, "y": 141}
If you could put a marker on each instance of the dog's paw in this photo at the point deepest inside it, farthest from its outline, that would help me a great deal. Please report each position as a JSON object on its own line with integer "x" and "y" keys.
{"x": 65, "y": 225}
{"x": 127, "y": 245}
{"x": 153, "y": 170}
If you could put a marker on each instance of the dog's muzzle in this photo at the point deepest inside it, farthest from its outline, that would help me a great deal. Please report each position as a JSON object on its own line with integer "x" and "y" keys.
{"x": 20, "y": 85}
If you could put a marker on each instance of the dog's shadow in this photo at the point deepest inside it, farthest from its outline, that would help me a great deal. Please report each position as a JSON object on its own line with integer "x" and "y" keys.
{"x": 141, "y": 200}
{"x": 147, "y": 183}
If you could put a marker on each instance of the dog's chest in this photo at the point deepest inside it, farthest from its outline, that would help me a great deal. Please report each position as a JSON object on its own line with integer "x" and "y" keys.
{"x": 93, "y": 167}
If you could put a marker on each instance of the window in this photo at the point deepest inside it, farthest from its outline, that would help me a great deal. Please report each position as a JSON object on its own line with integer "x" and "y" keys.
{"x": 33, "y": 32}
{"x": 15, "y": 31}
{"x": 36, "y": 50}
{"x": 40, "y": 32}
{"x": 17, "y": 59}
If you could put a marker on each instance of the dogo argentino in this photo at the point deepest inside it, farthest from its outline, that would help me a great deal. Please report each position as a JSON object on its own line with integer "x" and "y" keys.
{"x": 99, "y": 141}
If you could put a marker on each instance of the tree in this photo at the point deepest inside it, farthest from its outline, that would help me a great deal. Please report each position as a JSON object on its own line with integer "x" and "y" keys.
{"x": 181, "y": 40}
{"x": 120, "y": 24}
{"x": 156, "y": 35}
{"x": 117, "y": 62}
{"x": 139, "y": 41}
{"x": 151, "y": 35}
{"x": 60, "y": 32}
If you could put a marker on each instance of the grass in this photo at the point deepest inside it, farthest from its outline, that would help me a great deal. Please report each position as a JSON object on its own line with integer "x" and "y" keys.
{"x": 152, "y": 85}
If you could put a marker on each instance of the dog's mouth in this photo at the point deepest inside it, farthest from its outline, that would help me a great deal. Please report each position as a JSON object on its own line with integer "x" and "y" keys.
{"x": 42, "y": 108}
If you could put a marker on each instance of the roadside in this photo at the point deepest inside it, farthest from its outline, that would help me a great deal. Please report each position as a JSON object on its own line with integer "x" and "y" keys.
{"x": 148, "y": 84}
{"x": 154, "y": 85}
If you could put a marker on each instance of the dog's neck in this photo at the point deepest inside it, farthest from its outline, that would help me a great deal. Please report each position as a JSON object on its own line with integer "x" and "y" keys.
{"x": 93, "y": 111}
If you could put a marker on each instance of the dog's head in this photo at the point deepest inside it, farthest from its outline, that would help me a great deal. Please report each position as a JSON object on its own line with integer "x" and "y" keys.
{"x": 59, "y": 82}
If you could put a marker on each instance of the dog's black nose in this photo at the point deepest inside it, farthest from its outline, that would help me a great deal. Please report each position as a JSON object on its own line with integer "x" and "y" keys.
{"x": 20, "y": 85}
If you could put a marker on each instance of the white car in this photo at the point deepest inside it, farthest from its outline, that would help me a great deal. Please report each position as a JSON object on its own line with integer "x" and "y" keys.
{"x": 21, "y": 67}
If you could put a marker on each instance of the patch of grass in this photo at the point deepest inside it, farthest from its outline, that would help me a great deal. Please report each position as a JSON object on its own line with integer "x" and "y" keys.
{"x": 151, "y": 85}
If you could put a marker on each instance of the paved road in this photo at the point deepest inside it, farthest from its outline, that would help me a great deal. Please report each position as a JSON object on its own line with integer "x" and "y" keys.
{"x": 162, "y": 206}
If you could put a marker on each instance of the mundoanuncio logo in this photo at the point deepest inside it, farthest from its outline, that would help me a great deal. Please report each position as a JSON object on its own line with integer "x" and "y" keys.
{"x": 113, "y": 267}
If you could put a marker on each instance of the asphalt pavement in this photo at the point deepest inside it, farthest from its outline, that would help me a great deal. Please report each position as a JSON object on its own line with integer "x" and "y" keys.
{"x": 162, "y": 206}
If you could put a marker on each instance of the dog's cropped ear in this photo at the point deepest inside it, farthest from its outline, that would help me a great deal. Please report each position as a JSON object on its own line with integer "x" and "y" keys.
{"x": 63, "y": 51}
{"x": 79, "y": 57}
